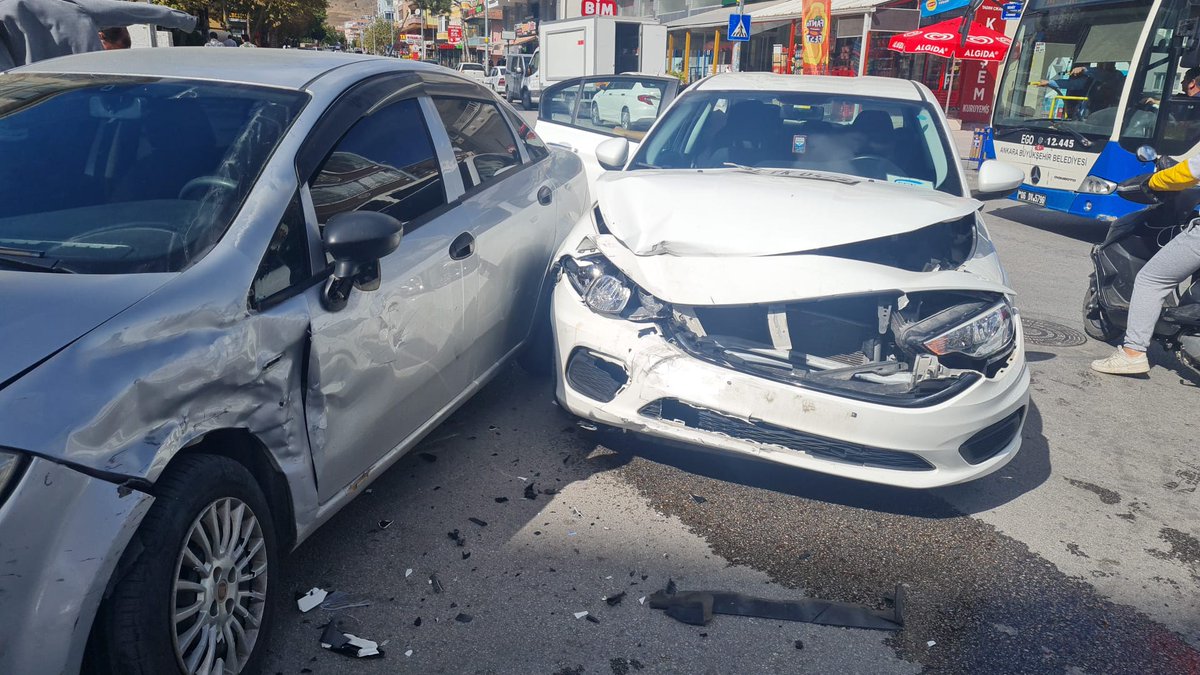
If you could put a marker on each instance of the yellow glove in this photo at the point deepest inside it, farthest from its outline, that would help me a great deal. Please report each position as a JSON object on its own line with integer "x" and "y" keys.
{"x": 1179, "y": 177}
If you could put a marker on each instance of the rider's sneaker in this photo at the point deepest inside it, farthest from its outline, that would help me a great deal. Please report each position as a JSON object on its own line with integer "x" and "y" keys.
{"x": 1121, "y": 363}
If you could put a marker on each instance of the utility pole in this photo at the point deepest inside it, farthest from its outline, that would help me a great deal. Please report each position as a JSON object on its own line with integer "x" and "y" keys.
{"x": 487, "y": 38}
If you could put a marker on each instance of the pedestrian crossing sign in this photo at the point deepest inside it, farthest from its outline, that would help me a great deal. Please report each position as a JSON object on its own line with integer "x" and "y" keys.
{"x": 739, "y": 28}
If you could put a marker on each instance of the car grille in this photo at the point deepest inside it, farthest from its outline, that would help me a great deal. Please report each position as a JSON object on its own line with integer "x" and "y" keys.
{"x": 595, "y": 377}
{"x": 674, "y": 410}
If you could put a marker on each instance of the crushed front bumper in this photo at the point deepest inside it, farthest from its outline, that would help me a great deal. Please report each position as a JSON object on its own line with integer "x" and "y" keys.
{"x": 61, "y": 536}
{"x": 628, "y": 375}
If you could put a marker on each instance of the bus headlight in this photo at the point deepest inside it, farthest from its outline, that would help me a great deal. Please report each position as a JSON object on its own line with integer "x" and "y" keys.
{"x": 1095, "y": 185}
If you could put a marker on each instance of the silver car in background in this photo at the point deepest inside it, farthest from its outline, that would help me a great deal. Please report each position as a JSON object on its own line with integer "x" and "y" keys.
{"x": 236, "y": 286}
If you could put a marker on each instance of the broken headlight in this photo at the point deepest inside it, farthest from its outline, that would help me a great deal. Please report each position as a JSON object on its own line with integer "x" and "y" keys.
{"x": 979, "y": 337}
{"x": 606, "y": 291}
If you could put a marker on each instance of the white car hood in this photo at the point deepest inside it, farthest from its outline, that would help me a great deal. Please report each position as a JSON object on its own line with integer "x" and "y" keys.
{"x": 733, "y": 212}
{"x": 747, "y": 280}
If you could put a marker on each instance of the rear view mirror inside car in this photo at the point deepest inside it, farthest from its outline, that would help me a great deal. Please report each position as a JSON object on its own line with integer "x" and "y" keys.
{"x": 115, "y": 107}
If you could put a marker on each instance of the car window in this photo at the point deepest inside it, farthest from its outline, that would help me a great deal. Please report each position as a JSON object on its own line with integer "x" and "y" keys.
{"x": 471, "y": 66}
{"x": 483, "y": 144}
{"x": 558, "y": 105}
{"x": 286, "y": 260}
{"x": 619, "y": 106}
{"x": 122, "y": 175}
{"x": 880, "y": 139}
{"x": 375, "y": 168}
{"x": 534, "y": 146}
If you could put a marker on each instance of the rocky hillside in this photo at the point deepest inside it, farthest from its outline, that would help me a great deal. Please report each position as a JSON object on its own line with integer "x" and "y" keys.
{"x": 341, "y": 11}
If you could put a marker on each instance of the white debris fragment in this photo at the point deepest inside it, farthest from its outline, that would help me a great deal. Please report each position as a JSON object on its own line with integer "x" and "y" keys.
{"x": 608, "y": 577}
{"x": 930, "y": 643}
{"x": 580, "y": 615}
{"x": 522, "y": 477}
{"x": 365, "y": 647}
{"x": 408, "y": 573}
{"x": 311, "y": 599}
{"x": 1008, "y": 630}
{"x": 408, "y": 653}
{"x": 642, "y": 600}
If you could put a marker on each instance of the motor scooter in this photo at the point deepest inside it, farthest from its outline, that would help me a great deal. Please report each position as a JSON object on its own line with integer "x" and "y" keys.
{"x": 1130, "y": 243}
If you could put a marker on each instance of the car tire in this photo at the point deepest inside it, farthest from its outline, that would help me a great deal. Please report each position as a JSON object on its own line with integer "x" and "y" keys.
{"x": 596, "y": 119}
{"x": 526, "y": 100}
{"x": 1095, "y": 320}
{"x": 139, "y": 633}
{"x": 625, "y": 121}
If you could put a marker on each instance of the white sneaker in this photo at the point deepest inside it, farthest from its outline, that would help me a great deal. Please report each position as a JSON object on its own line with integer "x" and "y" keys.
{"x": 1121, "y": 363}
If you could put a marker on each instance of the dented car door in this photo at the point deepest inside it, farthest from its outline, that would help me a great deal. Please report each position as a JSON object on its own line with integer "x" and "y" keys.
{"x": 383, "y": 367}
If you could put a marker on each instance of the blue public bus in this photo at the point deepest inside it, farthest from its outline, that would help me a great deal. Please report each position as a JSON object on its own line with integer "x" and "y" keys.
{"x": 1085, "y": 83}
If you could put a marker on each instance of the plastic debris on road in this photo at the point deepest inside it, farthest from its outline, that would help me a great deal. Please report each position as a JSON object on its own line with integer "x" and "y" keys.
{"x": 311, "y": 599}
{"x": 336, "y": 639}
{"x": 580, "y": 615}
{"x": 338, "y": 600}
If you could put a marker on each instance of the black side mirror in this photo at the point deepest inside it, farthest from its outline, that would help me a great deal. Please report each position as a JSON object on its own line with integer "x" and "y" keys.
{"x": 357, "y": 240}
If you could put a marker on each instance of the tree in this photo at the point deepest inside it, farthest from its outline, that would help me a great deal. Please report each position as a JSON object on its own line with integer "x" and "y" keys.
{"x": 267, "y": 21}
{"x": 432, "y": 8}
{"x": 381, "y": 33}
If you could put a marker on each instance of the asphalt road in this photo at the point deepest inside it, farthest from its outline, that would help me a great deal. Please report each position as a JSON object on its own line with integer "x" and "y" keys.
{"x": 1081, "y": 556}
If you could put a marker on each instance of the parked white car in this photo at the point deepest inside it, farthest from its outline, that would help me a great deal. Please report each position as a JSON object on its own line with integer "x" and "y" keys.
{"x": 793, "y": 269}
{"x": 474, "y": 71}
{"x": 629, "y": 102}
{"x": 496, "y": 79}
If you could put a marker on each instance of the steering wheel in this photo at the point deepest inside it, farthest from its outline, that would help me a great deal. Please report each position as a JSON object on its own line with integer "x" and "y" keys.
{"x": 881, "y": 166}
{"x": 206, "y": 182}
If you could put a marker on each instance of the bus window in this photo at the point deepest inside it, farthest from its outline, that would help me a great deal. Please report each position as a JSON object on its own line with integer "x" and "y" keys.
{"x": 1068, "y": 64}
{"x": 1160, "y": 113}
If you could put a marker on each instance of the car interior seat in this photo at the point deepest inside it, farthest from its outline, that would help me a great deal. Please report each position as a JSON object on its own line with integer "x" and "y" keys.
{"x": 751, "y": 135}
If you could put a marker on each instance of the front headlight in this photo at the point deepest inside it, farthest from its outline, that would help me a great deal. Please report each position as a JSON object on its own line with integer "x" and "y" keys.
{"x": 606, "y": 291}
{"x": 980, "y": 337}
{"x": 1095, "y": 185}
{"x": 10, "y": 465}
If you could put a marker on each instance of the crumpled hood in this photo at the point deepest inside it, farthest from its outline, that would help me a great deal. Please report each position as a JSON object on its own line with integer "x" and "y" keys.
{"x": 732, "y": 212}
{"x": 40, "y": 313}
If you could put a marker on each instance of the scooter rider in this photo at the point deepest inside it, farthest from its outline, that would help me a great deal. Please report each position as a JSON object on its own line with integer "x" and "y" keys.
{"x": 1176, "y": 261}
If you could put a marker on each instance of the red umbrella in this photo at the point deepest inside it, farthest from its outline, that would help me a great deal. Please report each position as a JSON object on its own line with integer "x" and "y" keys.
{"x": 945, "y": 39}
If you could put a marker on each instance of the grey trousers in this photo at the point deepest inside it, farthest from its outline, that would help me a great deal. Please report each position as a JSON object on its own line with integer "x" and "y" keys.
{"x": 1171, "y": 265}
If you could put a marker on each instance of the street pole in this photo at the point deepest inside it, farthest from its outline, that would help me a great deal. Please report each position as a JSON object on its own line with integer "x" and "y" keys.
{"x": 487, "y": 38}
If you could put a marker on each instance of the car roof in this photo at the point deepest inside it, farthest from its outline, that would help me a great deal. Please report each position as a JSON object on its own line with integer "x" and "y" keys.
{"x": 879, "y": 87}
{"x": 286, "y": 68}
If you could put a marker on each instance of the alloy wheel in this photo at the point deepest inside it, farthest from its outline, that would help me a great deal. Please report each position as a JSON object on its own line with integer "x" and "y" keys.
{"x": 220, "y": 589}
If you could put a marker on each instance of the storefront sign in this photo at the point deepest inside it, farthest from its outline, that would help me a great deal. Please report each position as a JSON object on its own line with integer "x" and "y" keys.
{"x": 977, "y": 80}
{"x": 931, "y": 7}
{"x": 598, "y": 8}
{"x": 526, "y": 29}
{"x": 816, "y": 26}
{"x": 508, "y": 35}
{"x": 1010, "y": 11}
{"x": 454, "y": 34}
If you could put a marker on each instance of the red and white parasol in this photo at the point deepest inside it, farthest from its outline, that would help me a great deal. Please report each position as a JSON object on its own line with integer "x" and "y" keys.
{"x": 945, "y": 40}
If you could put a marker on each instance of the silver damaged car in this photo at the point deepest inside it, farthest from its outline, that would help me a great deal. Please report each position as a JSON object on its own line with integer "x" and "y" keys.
{"x": 235, "y": 286}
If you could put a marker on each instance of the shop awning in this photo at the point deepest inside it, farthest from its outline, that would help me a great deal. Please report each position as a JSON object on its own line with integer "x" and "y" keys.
{"x": 720, "y": 17}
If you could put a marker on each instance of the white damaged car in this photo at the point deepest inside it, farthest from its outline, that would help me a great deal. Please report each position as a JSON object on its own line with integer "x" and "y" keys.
{"x": 792, "y": 268}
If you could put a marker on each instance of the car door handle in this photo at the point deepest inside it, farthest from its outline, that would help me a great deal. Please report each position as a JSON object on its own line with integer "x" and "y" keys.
{"x": 545, "y": 195}
{"x": 462, "y": 246}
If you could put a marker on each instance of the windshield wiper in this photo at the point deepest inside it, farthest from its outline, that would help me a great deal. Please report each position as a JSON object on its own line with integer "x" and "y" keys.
{"x": 34, "y": 261}
{"x": 831, "y": 176}
{"x": 1087, "y": 142}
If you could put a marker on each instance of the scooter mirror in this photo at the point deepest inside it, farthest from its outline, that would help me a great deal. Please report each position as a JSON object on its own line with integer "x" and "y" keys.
{"x": 1147, "y": 153}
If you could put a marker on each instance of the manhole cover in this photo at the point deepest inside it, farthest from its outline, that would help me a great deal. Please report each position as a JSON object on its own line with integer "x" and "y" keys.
{"x": 1050, "y": 334}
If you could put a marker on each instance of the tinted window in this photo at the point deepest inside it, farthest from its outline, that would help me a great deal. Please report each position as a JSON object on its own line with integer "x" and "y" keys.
{"x": 384, "y": 163}
{"x": 126, "y": 175}
{"x": 286, "y": 260}
{"x": 534, "y": 146}
{"x": 483, "y": 144}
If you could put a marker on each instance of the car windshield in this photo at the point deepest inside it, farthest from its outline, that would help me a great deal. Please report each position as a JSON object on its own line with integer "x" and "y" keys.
{"x": 119, "y": 175}
{"x": 876, "y": 138}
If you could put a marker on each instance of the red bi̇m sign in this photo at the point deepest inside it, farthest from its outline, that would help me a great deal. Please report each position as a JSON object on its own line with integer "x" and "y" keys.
{"x": 599, "y": 8}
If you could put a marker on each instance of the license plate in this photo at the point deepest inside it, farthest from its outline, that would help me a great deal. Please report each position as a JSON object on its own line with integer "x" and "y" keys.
{"x": 1031, "y": 197}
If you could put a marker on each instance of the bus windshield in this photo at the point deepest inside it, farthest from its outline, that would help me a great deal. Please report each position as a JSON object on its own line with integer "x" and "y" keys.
{"x": 1067, "y": 66}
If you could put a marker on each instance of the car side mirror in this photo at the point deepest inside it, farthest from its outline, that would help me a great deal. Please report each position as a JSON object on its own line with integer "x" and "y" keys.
{"x": 357, "y": 240}
{"x": 997, "y": 179}
{"x": 612, "y": 154}
{"x": 1147, "y": 153}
